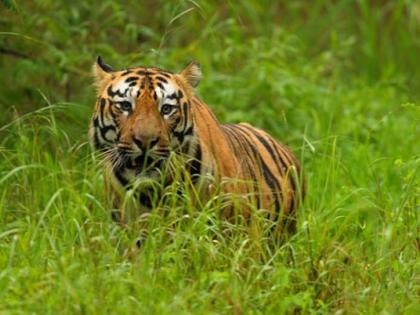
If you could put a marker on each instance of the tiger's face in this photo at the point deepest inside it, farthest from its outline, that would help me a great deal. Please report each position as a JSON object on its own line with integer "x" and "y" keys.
{"x": 142, "y": 114}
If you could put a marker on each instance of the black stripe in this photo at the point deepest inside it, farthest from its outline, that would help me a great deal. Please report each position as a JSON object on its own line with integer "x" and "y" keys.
{"x": 179, "y": 136}
{"x": 176, "y": 122}
{"x": 189, "y": 131}
{"x": 244, "y": 158}
{"x": 104, "y": 130}
{"x": 195, "y": 165}
{"x": 160, "y": 85}
{"x": 127, "y": 72}
{"x": 120, "y": 178}
{"x": 96, "y": 143}
{"x": 173, "y": 96}
{"x": 229, "y": 135}
{"x": 267, "y": 146}
{"x": 131, "y": 79}
{"x": 113, "y": 114}
{"x": 96, "y": 122}
{"x": 146, "y": 198}
{"x": 283, "y": 163}
{"x": 165, "y": 74}
{"x": 291, "y": 176}
{"x": 185, "y": 110}
{"x": 186, "y": 147}
{"x": 162, "y": 79}
{"x": 287, "y": 166}
{"x": 268, "y": 176}
{"x": 101, "y": 114}
{"x": 111, "y": 93}
{"x": 241, "y": 142}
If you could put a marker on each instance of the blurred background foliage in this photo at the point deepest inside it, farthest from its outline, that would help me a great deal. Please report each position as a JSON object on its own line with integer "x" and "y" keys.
{"x": 283, "y": 48}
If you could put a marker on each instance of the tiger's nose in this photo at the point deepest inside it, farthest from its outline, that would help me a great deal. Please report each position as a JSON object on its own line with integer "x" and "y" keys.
{"x": 144, "y": 143}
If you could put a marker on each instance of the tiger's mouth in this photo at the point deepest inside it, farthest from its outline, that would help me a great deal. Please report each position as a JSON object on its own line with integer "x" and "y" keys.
{"x": 144, "y": 164}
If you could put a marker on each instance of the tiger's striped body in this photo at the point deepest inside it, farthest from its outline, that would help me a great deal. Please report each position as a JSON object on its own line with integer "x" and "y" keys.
{"x": 143, "y": 114}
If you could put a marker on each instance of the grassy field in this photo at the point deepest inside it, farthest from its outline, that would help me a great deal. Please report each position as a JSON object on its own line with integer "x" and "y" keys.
{"x": 338, "y": 81}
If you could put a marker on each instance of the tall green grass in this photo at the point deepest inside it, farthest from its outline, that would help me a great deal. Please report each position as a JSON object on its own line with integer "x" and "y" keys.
{"x": 335, "y": 80}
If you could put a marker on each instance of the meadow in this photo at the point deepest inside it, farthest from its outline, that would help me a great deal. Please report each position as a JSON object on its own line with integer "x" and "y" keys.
{"x": 337, "y": 81}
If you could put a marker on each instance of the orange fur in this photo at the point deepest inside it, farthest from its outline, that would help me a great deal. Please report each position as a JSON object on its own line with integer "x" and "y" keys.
{"x": 244, "y": 160}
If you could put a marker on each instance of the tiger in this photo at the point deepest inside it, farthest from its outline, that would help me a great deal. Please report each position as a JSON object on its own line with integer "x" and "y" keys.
{"x": 143, "y": 115}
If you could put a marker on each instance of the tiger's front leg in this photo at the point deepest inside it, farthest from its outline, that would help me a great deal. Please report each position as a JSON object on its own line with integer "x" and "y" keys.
{"x": 129, "y": 215}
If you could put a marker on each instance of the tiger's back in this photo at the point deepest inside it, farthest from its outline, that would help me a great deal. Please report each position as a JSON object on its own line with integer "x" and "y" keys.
{"x": 259, "y": 167}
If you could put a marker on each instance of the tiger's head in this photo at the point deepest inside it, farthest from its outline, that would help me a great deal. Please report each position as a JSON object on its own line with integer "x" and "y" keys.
{"x": 141, "y": 115}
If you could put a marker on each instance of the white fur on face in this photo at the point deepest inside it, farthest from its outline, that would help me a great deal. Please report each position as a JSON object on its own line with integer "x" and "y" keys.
{"x": 163, "y": 94}
{"x": 130, "y": 93}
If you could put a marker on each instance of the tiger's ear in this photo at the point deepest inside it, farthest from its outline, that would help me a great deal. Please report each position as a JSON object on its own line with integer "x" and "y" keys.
{"x": 192, "y": 73}
{"x": 101, "y": 70}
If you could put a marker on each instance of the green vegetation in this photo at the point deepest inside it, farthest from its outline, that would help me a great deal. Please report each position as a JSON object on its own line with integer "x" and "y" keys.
{"x": 338, "y": 81}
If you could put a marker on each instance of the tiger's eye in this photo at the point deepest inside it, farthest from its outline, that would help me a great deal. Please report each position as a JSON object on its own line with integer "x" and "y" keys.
{"x": 166, "y": 109}
{"x": 125, "y": 106}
